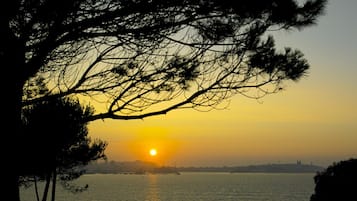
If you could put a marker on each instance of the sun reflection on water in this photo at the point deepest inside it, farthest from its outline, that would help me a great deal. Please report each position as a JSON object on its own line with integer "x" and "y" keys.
{"x": 153, "y": 189}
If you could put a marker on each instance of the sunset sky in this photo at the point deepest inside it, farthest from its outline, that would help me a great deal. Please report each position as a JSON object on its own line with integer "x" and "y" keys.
{"x": 314, "y": 120}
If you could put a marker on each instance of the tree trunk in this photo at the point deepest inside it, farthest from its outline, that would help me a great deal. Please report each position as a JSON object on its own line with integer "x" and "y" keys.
{"x": 54, "y": 179}
{"x": 11, "y": 147}
{"x": 12, "y": 80}
{"x": 10, "y": 188}
{"x": 11, "y": 103}
{"x": 47, "y": 186}
{"x": 36, "y": 189}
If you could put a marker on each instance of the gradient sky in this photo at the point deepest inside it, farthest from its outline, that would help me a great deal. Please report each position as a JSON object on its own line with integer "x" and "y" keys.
{"x": 314, "y": 120}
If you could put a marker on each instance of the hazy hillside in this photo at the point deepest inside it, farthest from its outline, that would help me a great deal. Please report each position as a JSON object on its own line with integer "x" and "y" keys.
{"x": 142, "y": 167}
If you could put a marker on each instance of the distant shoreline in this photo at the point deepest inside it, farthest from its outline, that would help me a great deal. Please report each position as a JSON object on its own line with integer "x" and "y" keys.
{"x": 142, "y": 167}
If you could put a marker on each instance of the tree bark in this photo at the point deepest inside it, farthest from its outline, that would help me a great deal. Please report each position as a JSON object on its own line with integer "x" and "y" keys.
{"x": 54, "y": 179}
{"x": 12, "y": 81}
{"x": 36, "y": 189}
{"x": 47, "y": 186}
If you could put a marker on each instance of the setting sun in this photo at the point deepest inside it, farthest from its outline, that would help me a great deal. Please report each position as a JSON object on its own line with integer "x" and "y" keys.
{"x": 153, "y": 152}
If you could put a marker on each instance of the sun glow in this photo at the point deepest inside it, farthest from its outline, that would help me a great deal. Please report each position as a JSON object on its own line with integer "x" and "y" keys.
{"x": 153, "y": 152}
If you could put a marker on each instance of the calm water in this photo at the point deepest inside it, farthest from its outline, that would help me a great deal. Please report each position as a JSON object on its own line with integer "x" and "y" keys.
{"x": 189, "y": 187}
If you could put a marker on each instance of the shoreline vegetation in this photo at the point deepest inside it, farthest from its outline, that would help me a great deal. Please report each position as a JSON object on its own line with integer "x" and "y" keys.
{"x": 143, "y": 167}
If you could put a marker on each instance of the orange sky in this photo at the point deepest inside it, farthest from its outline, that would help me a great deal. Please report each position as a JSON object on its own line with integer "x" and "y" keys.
{"x": 314, "y": 120}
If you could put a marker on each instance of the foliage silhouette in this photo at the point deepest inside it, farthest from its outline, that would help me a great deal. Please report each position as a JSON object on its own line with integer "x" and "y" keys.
{"x": 337, "y": 182}
{"x": 57, "y": 143}
{"x": 144, "y": 58}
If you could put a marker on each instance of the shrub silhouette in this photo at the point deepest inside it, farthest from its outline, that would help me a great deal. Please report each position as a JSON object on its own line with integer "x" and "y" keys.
{"x": 337, "y": 183}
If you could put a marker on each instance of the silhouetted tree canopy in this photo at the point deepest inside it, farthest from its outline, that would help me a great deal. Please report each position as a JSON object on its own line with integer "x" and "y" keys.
{"x": 138, "y": 58}
{"x": 336, "y": 183}
{"x": 56, "y": 142}
{"x": 56, "y": 136}
{"x": 143, "y": 58}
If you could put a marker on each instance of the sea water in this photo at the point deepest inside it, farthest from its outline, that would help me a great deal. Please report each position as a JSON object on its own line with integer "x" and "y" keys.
{"x": 189, "y": 186}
